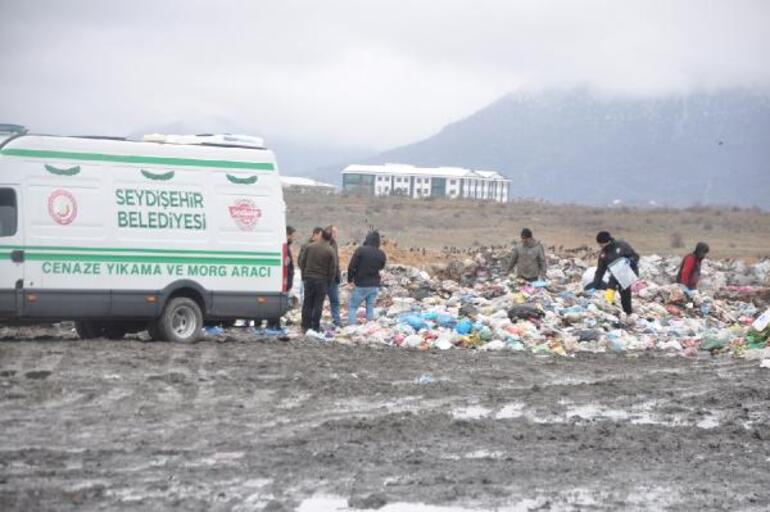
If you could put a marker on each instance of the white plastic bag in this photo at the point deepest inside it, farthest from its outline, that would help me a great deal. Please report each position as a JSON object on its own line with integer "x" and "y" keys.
{"x": 761, "y": 322}
{"x": 623, "y": 273}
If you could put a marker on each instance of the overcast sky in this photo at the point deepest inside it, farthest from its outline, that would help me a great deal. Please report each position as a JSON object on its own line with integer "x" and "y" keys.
{"x": 353, "y": 73}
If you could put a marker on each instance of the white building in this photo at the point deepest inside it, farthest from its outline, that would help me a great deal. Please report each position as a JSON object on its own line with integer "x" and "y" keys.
{"x": 420, "y": 182}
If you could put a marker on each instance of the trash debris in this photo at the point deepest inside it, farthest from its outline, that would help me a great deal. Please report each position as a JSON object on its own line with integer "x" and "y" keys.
{"x": 213, "y": 330}
{"x": 473, "y": 304}
{"x": 424, "y": 379}
{"x": 762, "y": 322}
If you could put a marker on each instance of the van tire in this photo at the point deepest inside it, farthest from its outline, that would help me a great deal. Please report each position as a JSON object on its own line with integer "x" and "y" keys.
{"x": 113, "y": 332}
{"x": 86, "y": 330}
{"x": 181, "y": 321}
{"x": 91, "y": 330}
{"x": 153, "y": 329}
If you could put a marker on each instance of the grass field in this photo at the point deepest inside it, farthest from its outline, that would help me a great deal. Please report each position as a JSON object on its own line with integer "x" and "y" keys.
{"x": 434, "y": 224}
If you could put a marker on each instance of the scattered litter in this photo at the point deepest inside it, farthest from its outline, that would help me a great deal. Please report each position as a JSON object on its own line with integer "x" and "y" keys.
{"x": 213, "y": 330}
{"x": 424, "y": 379}
{"x": 474, "y": 304}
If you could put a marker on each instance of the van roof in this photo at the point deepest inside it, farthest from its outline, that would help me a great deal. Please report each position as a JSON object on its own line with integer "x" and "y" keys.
{"x": 105, "y": 149}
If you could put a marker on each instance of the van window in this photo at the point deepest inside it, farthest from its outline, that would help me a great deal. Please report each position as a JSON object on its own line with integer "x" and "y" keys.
{"x": 7, "y": 212}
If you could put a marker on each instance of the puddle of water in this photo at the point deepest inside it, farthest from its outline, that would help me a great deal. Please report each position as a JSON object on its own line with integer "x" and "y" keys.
{"x": 513, "y": 410}
{"x": 331, "y": 503}
{"x": 708, "y": 422}
{"x": 637, "y": 414}
{"x": 591, "y": 411}
{"x": 484, "y": 454}
{"x": 471, "y": 412}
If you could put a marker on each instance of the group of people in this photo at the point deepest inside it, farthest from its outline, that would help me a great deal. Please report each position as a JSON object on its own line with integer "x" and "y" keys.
{"x": 528, "y": 257}
{"x": 319, "y": 263}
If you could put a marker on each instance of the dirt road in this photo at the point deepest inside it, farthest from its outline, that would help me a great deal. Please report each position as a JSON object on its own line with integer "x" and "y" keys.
{"x": 269, "y": 425}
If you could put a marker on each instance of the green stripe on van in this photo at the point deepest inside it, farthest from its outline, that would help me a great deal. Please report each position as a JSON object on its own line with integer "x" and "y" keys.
{"x": 139, "y": 250}
{"x": 134, "y": 159}
{"x": 129, "y": 258}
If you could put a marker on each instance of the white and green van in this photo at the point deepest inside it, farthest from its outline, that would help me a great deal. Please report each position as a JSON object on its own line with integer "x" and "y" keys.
{"x": 162, "y": 234}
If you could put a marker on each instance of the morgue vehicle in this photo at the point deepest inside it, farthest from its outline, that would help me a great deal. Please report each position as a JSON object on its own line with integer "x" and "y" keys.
{"x": 161, "y": 234}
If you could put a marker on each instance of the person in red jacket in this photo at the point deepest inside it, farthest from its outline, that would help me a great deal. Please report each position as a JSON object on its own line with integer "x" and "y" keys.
{"x": 689, "y": 270}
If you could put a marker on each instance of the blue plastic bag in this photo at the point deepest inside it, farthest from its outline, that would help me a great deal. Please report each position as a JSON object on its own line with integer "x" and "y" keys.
{"x": 414, "y": 321}
{"x": 445, "y": 320}
{"x": 464, "y": 326}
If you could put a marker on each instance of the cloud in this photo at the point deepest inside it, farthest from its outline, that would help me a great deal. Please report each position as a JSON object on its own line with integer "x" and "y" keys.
{"x": 371, "y": 73}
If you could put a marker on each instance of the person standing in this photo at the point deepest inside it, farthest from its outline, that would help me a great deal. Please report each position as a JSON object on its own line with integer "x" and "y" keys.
{"x": 364, "y": 276}
{"x": 334, "y": 289}
{"x": 318, "y": 266}
{"x": 612, "y": 250}
{"x": 275, "y": 323}
{"x": 528, "y": 257}
{"x": 689, "y": 270}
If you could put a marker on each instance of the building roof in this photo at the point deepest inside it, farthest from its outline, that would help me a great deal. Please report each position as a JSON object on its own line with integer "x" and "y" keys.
{"x": 438, "y": 172}
{"x": 296, "y": 181}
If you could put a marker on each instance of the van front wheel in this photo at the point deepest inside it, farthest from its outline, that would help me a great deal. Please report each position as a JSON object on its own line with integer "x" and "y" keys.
{"x": 181, "y": 320}
{"x": 86, "y": 330}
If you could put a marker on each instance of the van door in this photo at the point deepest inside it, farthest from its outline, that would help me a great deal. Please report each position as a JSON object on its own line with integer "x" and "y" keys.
{"x": 11, "y": 252}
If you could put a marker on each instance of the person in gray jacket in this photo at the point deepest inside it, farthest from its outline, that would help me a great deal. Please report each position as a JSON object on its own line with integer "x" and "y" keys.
{"x": 528, "y": 257}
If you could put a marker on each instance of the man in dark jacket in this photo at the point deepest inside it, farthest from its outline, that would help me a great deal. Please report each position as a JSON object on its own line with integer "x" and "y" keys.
{"x": 334, "y": 289}
{"x": 364, "y": 275}
{"x": 613, "y": 250}
{"x": 689, "y": 270}
{"x": 318, "y": 267}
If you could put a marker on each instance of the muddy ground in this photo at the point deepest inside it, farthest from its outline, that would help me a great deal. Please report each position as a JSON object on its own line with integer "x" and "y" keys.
{"x": 254, "y": 424}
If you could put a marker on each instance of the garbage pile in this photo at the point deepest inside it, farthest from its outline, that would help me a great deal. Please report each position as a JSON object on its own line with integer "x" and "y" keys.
{"x": 473, "y": 304}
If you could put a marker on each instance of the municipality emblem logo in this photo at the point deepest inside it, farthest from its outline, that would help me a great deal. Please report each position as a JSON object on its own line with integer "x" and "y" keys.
{"x": 62, "y": 207}
{"x": 245, "y": 214}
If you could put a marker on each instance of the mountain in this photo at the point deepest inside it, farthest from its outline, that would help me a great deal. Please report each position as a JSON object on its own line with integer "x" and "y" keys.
{"x": 577, "y": 146}
{"x": 310, "y": 160}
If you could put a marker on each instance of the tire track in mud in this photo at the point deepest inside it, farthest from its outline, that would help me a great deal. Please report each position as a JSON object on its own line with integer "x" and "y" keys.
{"x": 235, "y": 425}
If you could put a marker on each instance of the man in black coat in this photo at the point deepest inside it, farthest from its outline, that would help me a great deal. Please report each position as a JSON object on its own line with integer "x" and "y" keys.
{"x": 319, "y": 266}
{"x": 613, "y": 250}
{"x": 364, "y": 275}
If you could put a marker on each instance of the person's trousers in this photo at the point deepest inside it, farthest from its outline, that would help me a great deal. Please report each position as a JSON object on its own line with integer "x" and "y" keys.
{"x": 313, "y": 303}
{"x": 359, "y": 294}
{"x": 334, "y": 303}
{"x": 625, "y": 300}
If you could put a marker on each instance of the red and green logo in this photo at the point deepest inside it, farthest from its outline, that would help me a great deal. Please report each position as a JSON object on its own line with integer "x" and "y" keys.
{"x": 245, "y": 214}
{"x": 62, "y": 207}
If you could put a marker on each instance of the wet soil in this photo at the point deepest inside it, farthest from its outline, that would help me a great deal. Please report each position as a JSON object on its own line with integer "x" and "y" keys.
{"x": 254, "y": 424}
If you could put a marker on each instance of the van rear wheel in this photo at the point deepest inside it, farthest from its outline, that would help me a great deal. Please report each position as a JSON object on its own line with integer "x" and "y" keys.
{"x": 90, "y": 330}
{"x": 153, "y": 329}
{"x": 86, "y": 330}
{"x": 181, "y": 320}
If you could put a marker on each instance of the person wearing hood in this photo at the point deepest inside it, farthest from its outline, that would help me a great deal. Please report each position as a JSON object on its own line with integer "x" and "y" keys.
{"x": 611, "y": 251}
{"x": 528, "y": 257}
{"x": 364, "y": 276}
{"x": 689, "y": 270}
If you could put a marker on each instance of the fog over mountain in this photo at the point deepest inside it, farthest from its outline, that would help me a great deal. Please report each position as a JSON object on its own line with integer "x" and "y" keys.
{"x": 575, "y": 146}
